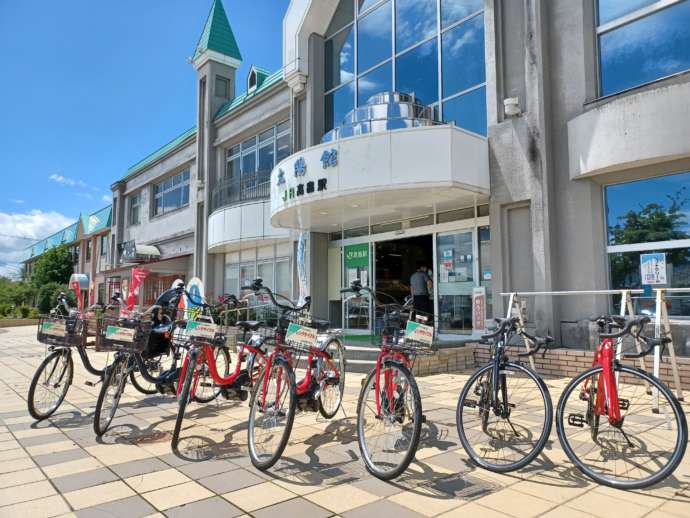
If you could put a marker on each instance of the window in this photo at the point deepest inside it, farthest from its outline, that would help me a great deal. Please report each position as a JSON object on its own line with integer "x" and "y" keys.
{"x": 402, "y": 53}
{"x": 222, "y": 87}
{"x": 171, "y": 194}
{"x": 88, "y": 250}
{"x": 134, "y": 201}
{"x": 104, "y": 245}
{"x": 270, "y": 264}
{"x": 648, "y": 216}
{"x": 640, "y": 41}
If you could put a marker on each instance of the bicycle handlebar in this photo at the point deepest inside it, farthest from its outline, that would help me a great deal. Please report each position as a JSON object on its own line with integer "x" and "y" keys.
{"x": 257, "y": 287}
{"x": 626, "y": 326}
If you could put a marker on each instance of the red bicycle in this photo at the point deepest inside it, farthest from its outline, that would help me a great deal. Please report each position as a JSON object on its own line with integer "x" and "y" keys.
{"x": 276, "y": 395}
{"x": 619, "y": 425}
{"x": 207, "y": 349}
{"x": 389, "y": 411}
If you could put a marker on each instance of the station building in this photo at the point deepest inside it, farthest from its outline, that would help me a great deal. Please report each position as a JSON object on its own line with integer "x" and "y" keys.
{"x": 532, "y": 145}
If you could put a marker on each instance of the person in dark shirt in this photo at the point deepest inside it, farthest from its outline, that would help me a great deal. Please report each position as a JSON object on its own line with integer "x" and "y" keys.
{"x": 419, "y": 286}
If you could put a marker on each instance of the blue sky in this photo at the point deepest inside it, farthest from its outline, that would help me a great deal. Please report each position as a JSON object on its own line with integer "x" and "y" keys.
{"x": 88, "y": 88}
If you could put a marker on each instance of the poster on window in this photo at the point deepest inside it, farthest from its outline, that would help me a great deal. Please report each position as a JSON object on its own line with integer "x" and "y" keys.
{"x": 479, "y": 308}
{"x": 653, "y": 268}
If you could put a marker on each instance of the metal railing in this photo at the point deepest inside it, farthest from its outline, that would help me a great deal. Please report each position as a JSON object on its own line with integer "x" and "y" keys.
{"x": 240, "y": 189}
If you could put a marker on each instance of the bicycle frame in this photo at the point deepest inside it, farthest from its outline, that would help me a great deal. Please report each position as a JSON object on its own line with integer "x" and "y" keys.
{"x": 386, "y": 354}
{"x": 202, "y": 354}
{"x": 607, "y": 402}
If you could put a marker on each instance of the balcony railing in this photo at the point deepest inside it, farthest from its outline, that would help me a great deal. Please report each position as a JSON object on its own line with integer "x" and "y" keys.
{"x": 247, "y": 187}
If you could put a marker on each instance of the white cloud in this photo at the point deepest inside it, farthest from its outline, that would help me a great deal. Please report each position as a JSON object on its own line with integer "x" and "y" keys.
{"x": 106, "y": 198}
{"x": 34, "y": 225}
{"x": 17, "y": 201}
{"x": 58, "y": 178}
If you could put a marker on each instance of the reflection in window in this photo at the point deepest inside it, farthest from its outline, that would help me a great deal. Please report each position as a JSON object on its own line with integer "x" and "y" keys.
{"x": 650, "y": 210}
{"x": 415, "y": 21}
{"x": 171, "y": 194}
{"x": 363, "y": 5}
{"x": 416, "y": 72}
{"x": 646, "y": 49}
{"x": 463, "y": 56}
{"x": 338, "y": 103}
{"x": 455, "y": 10}
{"x": 378, "y": 80}
{"x": 640, "y": 215}
{"x": 374, "y": 37}
{"x": 340, "y": 58}
{"x": 343, "y": 15}
{"x": 468, "y": 111}
{"x": 611, "y": 9}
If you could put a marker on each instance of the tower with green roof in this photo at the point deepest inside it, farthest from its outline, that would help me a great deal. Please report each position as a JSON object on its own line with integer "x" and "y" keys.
{"x": 216, "y": 59}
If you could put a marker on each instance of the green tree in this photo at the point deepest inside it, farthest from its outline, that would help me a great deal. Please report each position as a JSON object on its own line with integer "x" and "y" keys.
{"x": 46, "y": 299}
{"x": 55, "y": 265}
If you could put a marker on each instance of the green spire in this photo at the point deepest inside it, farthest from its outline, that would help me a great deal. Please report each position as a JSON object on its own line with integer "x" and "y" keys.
{"x": 217, "y": 35}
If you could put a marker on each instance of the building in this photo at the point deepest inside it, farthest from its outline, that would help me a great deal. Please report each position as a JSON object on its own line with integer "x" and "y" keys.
{"x": 512, "y": 146}
{"x": 88, "y": 242}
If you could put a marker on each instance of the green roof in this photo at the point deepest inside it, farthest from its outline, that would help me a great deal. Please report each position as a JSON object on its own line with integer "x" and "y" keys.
{"x": 66, "y": 235}
{"x": 97, "y": 221}
{"x": 261, "y": 75}
{"x": 163, "y": 150}
{"x": 217, "y": 34}
{"x": 238, "y": 101}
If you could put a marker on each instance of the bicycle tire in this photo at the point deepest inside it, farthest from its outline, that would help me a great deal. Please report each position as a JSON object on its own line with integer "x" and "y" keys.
{"x": 538, "y": 446}
{"x": 330, "y": 413}
{"x": 33, "y": 410}
{"x": 216, "y": 388}
{"x": 681, "y": 423}
{"x": 183, "y": 401}
{"x": 109, "y": 379}
{"x": 134, "y": 375}
{"x": 416, "y": 428}
{"x": 267, "y": 463}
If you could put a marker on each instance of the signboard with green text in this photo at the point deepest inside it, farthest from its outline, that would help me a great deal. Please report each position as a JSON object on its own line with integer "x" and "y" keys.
{"x": 357, "y": 256}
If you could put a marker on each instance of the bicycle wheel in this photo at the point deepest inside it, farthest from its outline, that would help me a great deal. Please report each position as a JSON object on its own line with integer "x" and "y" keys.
{"x": 114, "y": 382}
{"x": 644, "y": 449}
{"x": 50, "y": 384}
{"x": 388, "y": 440}
{"x": 183, "y": 400}
{"x": 271, "y": 414}
{"x": 155, "y": 366}
{"x": 206, "y": 389}
{"x": 332, "y": 385}
{"x": 513, "y": 438}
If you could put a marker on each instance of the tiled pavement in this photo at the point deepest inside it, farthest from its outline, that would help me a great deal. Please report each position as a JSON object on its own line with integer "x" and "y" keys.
{"x": 59, "y": 468}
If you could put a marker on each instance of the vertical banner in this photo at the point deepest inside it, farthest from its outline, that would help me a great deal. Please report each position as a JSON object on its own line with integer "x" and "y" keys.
{"x": 138, "y": 277}
{"x": 479, "y": 308}
{"x": 302, "y": 276}
{"x": 195, "y": 288}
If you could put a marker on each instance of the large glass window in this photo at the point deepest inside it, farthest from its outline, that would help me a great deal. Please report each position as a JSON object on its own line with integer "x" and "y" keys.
{"x": 640, "y": 42}
{"x": 270, "y": 265}
{"x": 650, "y": 216}
{"x": 171, "y": 194}
{"x": 413, "y": 39}
{"x": 134, "y": 201}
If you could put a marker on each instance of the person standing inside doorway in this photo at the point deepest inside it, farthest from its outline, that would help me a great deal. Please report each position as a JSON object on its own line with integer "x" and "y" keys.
{"x": 420, "y": 286}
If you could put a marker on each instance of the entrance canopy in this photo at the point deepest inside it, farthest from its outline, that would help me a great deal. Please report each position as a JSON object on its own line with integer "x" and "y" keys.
{"x": 380, "y": 177}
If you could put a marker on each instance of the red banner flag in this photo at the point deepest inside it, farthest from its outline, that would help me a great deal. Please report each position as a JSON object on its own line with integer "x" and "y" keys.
{"x": 138, "y": 277}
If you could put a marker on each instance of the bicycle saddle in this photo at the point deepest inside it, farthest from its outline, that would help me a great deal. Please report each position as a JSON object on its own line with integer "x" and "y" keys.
{"x": 320, "y": 325}
{"x": 249, "y": 325}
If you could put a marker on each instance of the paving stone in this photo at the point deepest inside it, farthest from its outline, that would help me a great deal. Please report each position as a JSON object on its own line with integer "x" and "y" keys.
{"x": 197, "y": 470}
{"x": 56, "y": 458}
{"x": 83, "y": 479}
{"x": 139, "y": 467}
{"x": 378, "y": 487}
{"x": 297, "y": 507}
{"x": 215, "y": 506}
{"x": 232, "y": 481}
{"x": 382, "y": 509}
{"x": 132, "y": 507}
{"x": 41, "y": 439}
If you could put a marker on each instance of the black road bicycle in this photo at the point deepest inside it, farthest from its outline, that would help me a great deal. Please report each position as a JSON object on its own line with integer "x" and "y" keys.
{"x": 504, "y": 412}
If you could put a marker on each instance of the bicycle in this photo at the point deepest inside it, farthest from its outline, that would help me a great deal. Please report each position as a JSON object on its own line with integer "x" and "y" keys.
{"x": 276, "y": 395}
{"x": 501, "y": 424}
{"x": 206, "y": 341}
{"x": 62, "y": 330}
{"x": 611, "y": 424}
{"x": 138, "y": 344}
{"x": 389, "y": 412}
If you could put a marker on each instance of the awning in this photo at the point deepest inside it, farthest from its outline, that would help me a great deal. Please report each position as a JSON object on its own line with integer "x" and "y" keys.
{"x": 135, "y": 252}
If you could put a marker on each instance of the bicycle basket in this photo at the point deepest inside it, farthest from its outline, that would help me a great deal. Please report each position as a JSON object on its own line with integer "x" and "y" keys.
{"x": 126, "y": 335}
{"x": 301, "y": 334}
{"x": 419, "y": 336}
{"x": 61, "y": 331}
{"x": 205, "y": 332}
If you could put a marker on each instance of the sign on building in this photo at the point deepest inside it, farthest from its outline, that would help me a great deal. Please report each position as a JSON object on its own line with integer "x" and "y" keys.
{"x": 479, "y": 308}
{"x": 653, "y": 268}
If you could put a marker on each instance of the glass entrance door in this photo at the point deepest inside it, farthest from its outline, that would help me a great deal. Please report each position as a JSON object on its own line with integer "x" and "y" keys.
{"x": 455, "y": 267}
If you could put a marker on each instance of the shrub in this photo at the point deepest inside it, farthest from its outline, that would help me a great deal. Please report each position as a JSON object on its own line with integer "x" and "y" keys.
{"x": 46, "y": 299}
{"x": 34, "y": 313}
{"x": 24, "y": 311}
{"x": 5, "y": 309}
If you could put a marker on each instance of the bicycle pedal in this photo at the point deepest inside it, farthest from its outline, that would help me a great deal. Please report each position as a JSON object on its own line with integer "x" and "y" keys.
{"x": 576, "y": 420}
{"x": 623, "y": 404}
{"x": 469, "y": 403}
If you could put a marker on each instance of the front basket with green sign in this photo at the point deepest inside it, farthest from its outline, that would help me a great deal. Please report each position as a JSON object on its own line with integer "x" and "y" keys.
{"x": 419, "y": 338}
{"x": 301, "y": 337}
{"x": 61, "y": 331}
{"x": 116, "y": 334}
